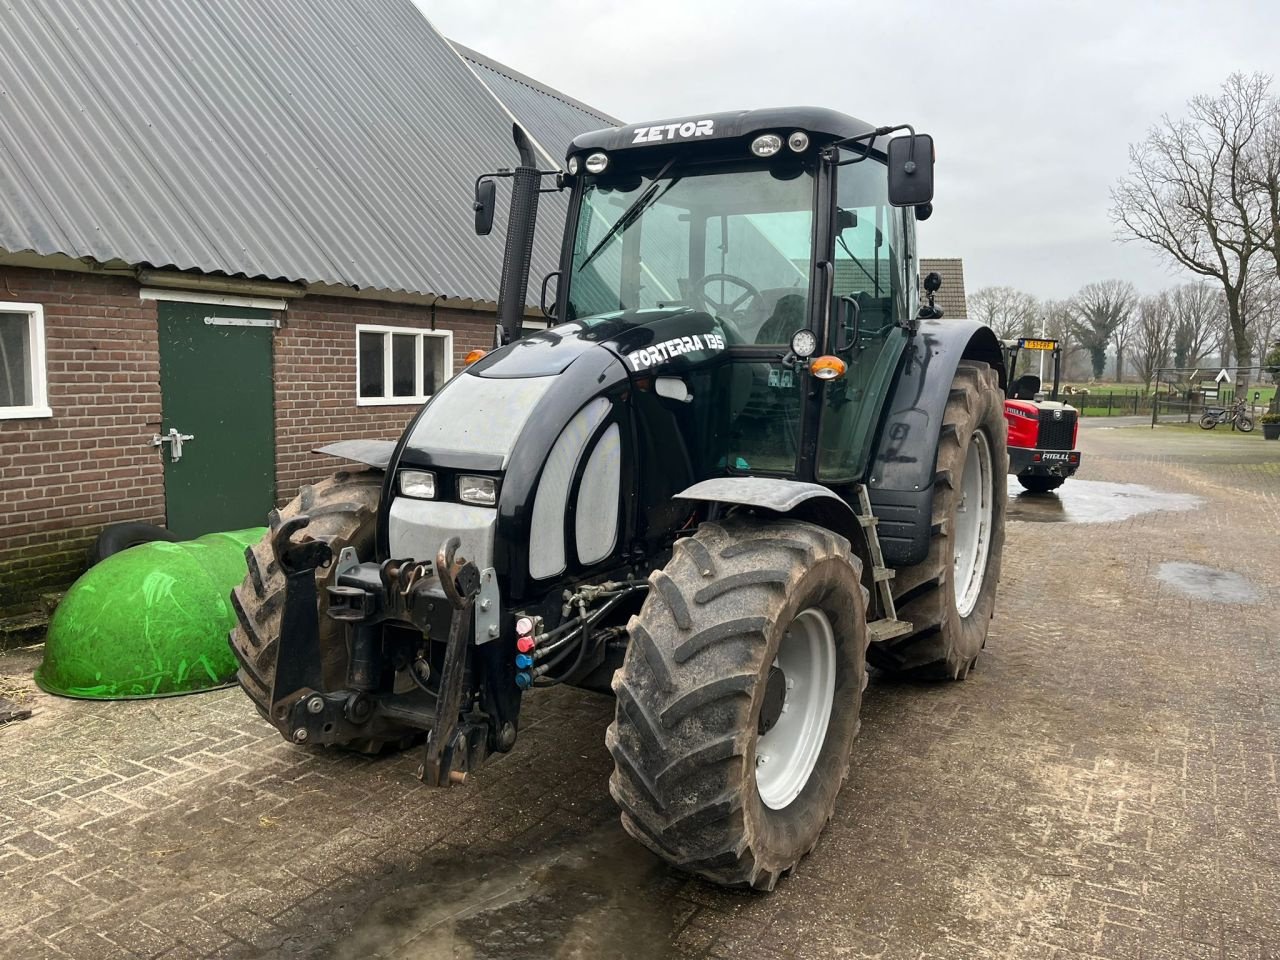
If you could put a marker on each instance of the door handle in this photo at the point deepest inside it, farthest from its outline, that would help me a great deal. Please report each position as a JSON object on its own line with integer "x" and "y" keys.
{"x": 175, "y": 441}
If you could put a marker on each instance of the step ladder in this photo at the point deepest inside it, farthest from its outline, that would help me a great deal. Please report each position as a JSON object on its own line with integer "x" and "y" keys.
{"x": 889, "y": 626}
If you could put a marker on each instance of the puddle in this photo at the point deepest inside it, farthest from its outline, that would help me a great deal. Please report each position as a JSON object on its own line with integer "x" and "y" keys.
{"x": 585, "y": 896}
{"x": 1208, "y": 583}
{"x": 1093, "y": 501}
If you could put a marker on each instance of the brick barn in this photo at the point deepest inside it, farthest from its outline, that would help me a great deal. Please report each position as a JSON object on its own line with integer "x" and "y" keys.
{"x": 247, "y": 224}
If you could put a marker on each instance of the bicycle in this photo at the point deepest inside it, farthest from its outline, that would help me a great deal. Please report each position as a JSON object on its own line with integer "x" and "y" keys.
{"x": 1238, "y": 418}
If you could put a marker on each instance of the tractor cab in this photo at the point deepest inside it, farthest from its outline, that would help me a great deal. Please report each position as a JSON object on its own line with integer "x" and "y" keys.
{"x": 730, "y": 261}
{"x": 1042, "y": 428}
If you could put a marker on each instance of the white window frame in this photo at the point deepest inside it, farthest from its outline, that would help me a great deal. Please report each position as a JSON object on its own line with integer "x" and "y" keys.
{"x": 421, "y": 335}
{"x": 36, "y": 367}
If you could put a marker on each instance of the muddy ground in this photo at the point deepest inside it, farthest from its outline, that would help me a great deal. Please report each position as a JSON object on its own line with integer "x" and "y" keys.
{"x": 1103, "y": 785}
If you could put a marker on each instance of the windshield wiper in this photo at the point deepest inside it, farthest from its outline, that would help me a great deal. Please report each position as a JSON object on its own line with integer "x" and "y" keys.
{"x": 629, "y": 216}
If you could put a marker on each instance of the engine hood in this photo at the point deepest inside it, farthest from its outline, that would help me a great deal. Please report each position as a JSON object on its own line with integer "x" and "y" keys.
{"x": 672, "y": 339}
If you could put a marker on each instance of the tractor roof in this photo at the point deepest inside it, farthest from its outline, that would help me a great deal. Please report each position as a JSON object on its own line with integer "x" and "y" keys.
{"x": 820, "y": 123}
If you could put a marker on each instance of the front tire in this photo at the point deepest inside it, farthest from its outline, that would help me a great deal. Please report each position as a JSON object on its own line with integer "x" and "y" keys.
{"x": 343, "y": 511}
{"x": 949, "y": 598}
{"x": 738, "y": 699}
{"x": 1245, "y": 424}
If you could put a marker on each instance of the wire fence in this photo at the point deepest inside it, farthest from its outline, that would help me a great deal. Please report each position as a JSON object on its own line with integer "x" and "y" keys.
{"x": 1167, "y": 405}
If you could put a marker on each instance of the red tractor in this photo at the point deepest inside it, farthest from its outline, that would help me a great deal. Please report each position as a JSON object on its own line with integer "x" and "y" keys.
{"x": 1042, "y": 429}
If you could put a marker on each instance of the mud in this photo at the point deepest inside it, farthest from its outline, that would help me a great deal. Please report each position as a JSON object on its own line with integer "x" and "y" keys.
{"x": 1208, "y": 583}
{"x": 586, "y": 896}
{"x": 1093, "y": 501}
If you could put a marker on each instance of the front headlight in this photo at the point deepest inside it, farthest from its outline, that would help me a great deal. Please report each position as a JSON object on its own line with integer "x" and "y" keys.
{"x": 418, "y": 483}
{"x": 482, "y": 491}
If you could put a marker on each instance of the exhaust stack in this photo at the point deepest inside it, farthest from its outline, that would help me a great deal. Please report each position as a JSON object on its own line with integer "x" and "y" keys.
{"x": 525, "y": 184}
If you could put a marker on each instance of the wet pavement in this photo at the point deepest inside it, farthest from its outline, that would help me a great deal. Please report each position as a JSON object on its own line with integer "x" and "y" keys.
{"x": 1093, "y": 501}
{"x": 1104, "y": 785}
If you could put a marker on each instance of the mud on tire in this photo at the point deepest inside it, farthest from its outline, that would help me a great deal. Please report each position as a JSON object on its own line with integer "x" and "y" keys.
{"x": 343, "y": 511}
{"x": 692, "y": 686}
{"x": 943, "y": 644}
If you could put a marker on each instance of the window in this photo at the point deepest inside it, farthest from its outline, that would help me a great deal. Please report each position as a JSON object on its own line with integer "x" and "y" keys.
{"x": 399, "y": 365}
{"x": 22, "y": 373}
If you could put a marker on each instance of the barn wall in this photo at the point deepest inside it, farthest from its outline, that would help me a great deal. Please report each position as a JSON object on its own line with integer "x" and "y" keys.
{"x": 63, "y": 478}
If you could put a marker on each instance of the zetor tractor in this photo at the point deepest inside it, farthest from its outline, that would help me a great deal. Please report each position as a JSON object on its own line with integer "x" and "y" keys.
{"x": 743, "y": 463}
{"x": 1042, "y": 429}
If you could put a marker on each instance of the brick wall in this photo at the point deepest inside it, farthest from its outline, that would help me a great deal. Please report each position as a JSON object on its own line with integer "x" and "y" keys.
{"x": 315, "y": 368}
{"x": 62, "y": 478}
{"x": 65, "y": 477}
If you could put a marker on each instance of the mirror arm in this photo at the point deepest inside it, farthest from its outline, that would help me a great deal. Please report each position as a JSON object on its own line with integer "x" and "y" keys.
{"x": 542, "y": 298}
{"x": 854, "y": 330}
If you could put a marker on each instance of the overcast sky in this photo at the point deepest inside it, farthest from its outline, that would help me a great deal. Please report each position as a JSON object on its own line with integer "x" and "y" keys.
{"x": 1032, "y": 104}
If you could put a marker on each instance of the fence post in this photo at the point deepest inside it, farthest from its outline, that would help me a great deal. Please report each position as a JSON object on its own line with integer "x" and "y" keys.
{"x": 1110, "y": 397}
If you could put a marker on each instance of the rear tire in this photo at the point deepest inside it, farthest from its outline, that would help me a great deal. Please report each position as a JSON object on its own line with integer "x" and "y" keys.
{"x": 949, "y": 620}
{"x": 691, "y": 692}
{"x": 1040, "y": 484}
{"x": 343, "y": 511}
{"x": 1208, "y": 421}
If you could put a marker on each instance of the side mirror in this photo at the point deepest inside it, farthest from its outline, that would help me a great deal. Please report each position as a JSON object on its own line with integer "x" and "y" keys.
{"x": 911, "y": 170}
{"x": 924, "y": 211}
{"x": 486, "y": 200}
{"x": 932, "y": 281}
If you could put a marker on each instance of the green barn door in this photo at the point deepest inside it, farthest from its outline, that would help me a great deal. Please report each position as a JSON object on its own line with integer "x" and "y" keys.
{"x": 216, "y": 388}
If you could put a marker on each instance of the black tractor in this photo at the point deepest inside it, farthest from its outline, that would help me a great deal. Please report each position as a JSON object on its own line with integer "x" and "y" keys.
{"x": 743, "y": 462}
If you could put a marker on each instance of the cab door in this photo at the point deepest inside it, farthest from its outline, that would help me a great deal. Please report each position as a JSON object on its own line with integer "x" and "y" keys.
{"x": 871, "y": 303}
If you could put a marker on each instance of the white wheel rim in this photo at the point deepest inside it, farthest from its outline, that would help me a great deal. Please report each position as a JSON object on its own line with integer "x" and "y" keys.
{"x": 787, "y": 754}
{"x": 972, "y": 535}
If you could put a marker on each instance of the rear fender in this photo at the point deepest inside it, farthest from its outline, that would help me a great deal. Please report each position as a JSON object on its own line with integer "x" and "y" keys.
{"x": 901, "y": 471}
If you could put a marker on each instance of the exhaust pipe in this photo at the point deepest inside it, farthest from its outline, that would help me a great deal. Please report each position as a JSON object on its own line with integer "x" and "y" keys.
{"x": 525, "y": 184}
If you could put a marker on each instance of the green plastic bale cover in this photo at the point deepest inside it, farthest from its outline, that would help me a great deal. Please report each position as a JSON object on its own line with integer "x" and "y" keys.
{"x": 150, "y": 621}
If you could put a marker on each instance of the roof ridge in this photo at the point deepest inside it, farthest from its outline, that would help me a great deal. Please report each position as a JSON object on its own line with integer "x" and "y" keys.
{"x": 512, "y": 74}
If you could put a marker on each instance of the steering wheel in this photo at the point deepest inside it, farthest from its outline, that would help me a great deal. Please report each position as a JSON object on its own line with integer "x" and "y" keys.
{"x": 750, "y": 293}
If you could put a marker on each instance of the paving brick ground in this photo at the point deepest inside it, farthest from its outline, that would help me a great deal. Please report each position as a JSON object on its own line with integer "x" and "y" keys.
{"x": 1104, "y": 785}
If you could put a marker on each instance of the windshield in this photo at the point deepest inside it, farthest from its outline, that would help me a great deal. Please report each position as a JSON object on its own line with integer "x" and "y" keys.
{"x": 735, "y": 242}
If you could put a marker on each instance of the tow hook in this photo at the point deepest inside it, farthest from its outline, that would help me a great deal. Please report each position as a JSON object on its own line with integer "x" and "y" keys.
{"x": 448, "y": 753}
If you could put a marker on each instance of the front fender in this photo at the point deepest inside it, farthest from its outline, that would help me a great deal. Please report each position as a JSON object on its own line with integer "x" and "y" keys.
{"x": 901, "y": 471}
{"x": 803, "y": 501}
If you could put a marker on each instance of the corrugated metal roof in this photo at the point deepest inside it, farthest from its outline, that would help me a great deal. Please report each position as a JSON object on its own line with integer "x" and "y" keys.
{"x": 552, "y": 118}
{"x": 327, "y": 141}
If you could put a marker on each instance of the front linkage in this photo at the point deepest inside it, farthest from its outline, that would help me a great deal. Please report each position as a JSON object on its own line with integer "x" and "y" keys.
{"x": 364, "y": 596}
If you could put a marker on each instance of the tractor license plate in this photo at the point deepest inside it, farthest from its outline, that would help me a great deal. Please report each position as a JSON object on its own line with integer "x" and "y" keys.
{"x": 1055, "y": 456}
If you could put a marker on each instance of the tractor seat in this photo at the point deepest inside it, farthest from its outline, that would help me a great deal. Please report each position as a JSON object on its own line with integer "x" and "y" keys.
{"x": 787, "y": 318}
{"x": 1026, "y": 387}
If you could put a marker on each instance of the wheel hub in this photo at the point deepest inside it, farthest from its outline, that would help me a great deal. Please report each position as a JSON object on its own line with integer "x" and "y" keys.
{"x": 972, "y": 534}
{"x": 796, "y": 709}
{"x": 775, "y": 696}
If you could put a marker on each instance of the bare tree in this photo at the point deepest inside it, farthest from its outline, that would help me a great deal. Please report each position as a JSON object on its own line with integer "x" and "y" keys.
{"x": 1009, "y": 312}
{"x": 1152, "y": 336}
{"x": 1261, "y": 306}
{"x": 1199, "y": 312}
{"x": 1262, "y": 174}
{"x": 1120, "y": 338}
{"x": 1096, "y": 312}
{"x": 1189, "y": 192}
{"x": 1057, "y": 319}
